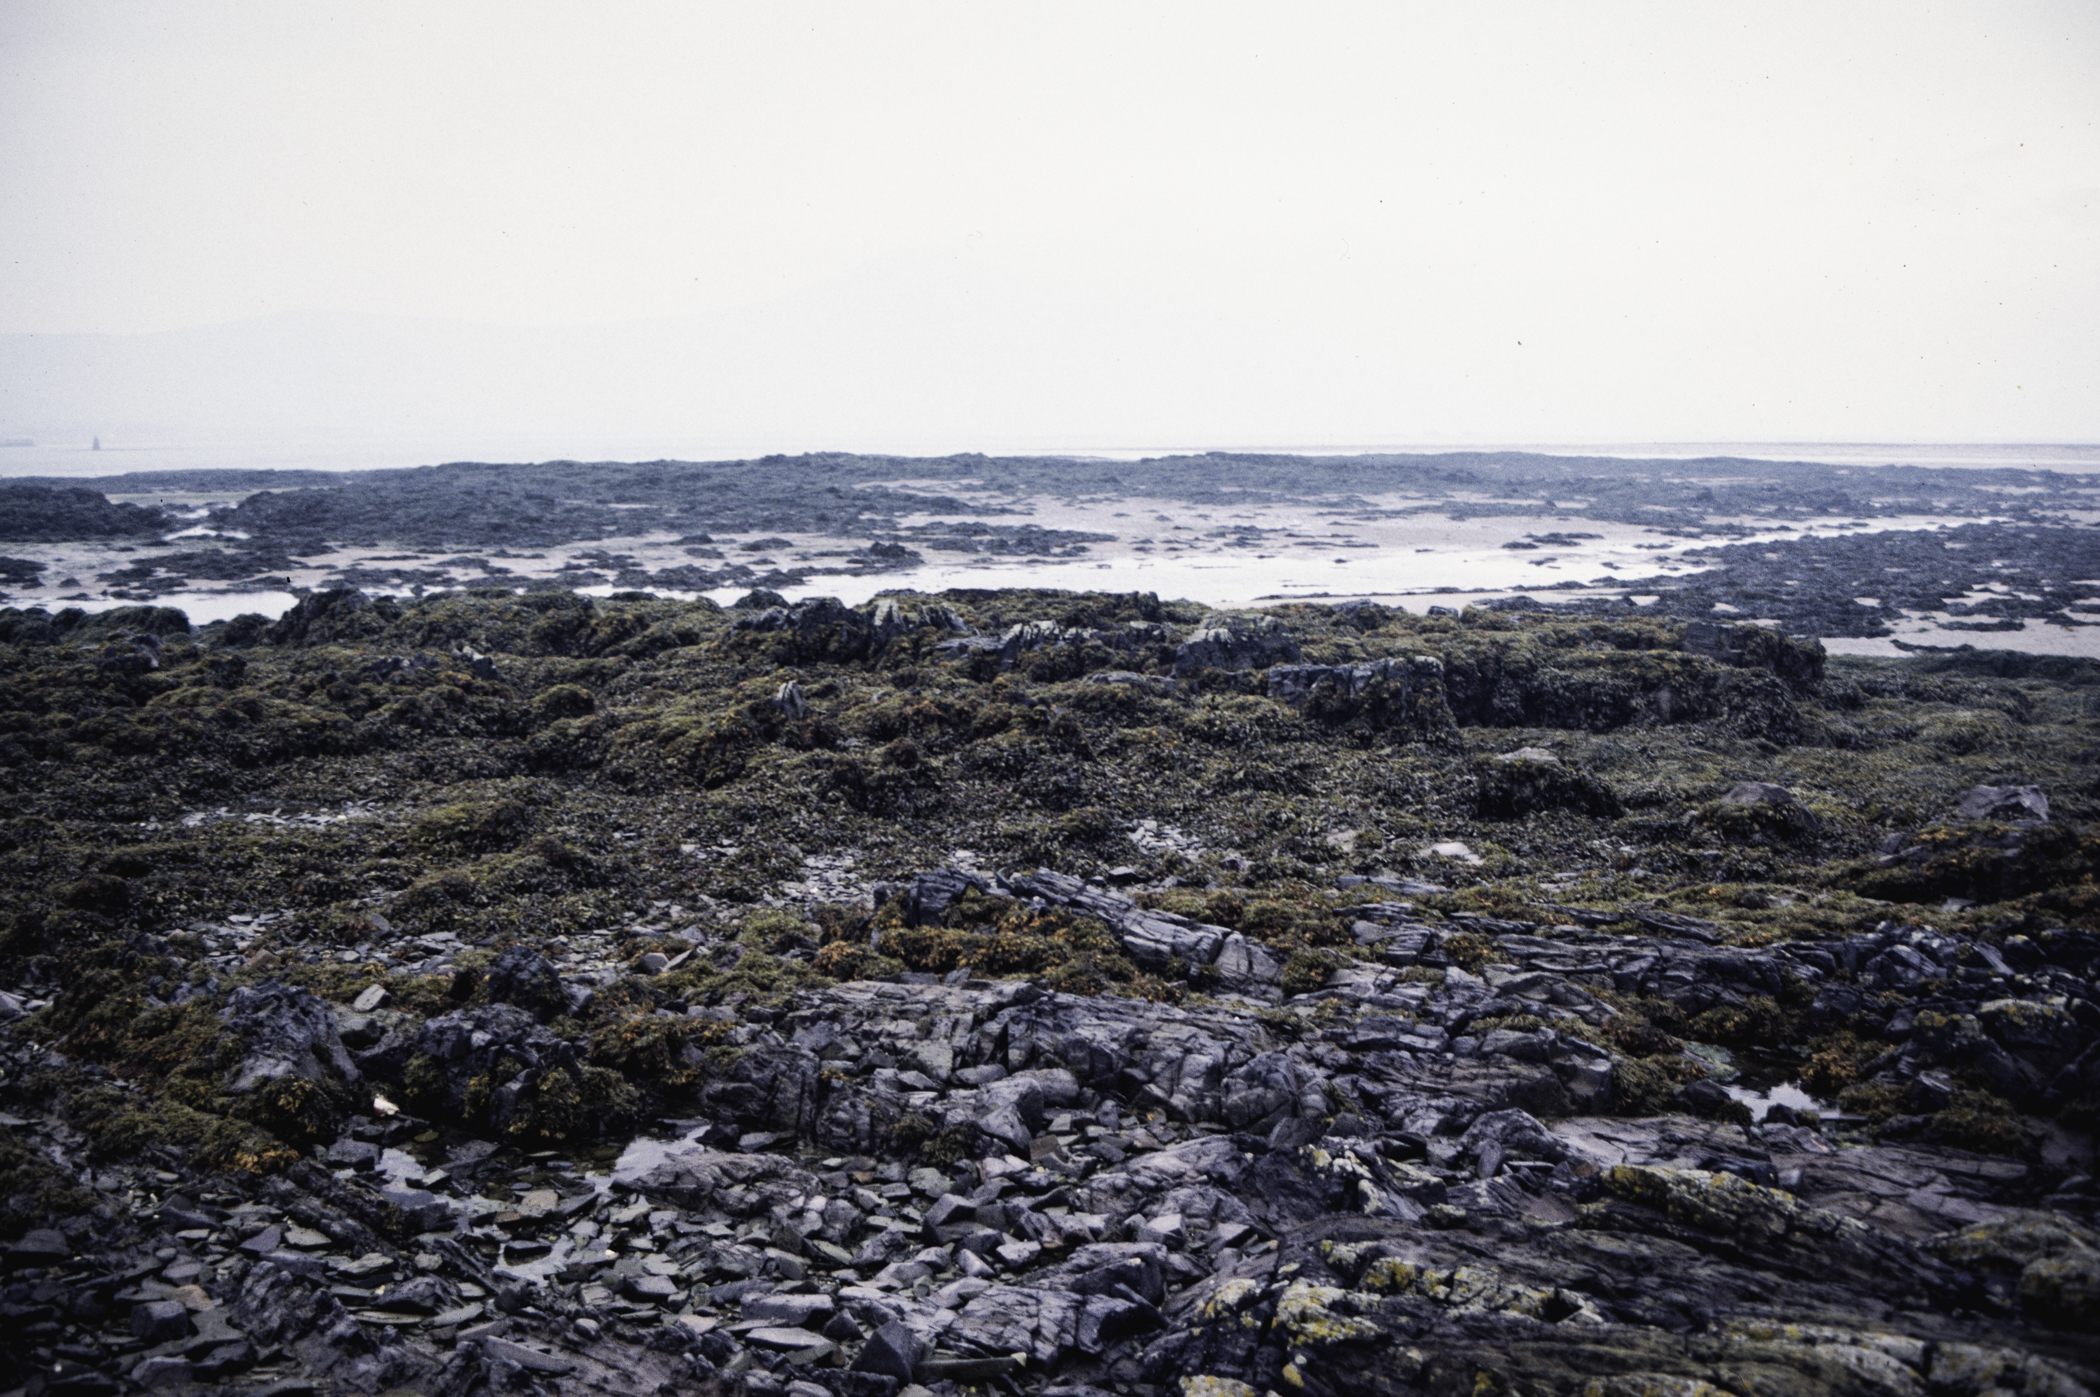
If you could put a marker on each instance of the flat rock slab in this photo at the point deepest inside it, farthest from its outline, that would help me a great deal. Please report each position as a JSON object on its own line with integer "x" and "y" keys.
{"x": 689, "y": 1173}
{"x": 791, "y": 1311}
{"x": 532, "y": 1360}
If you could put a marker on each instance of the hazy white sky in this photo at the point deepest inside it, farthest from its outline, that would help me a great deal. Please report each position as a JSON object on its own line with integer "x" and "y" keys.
{"x": 1362, "y": 221}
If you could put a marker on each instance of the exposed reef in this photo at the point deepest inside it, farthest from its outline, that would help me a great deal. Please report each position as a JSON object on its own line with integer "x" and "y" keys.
{"x": 1027, "y": 991}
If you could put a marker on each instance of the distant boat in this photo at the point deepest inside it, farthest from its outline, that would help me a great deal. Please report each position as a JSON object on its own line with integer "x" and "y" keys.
{"x": 17, "y": 441}
{"x": 98, "y": 444}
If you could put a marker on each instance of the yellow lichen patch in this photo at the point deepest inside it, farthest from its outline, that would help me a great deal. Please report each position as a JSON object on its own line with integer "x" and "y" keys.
{"x": 2027, "y": 1013}
{"x": 1461, "y": 1288}
{"x": 2058, "y": 1261}
{"x": 1887, "y": 1370}
{"x": 1652, "y": 1385}
{"x": 2014, "y": 1239}
{"x": 1306, "y": 1314}
{"x": 1389, "y": 1274}
{"x": 1204, "y": 1385}
{"x": 1892, "y": 1363}
{"x": 1341, "y": 1255}
{"x": 1230, "y": 1299}
{"x": 1721, "y": 1203}
{"x": 1975, "y": 1368}
{"x": 2063, "y": 1291}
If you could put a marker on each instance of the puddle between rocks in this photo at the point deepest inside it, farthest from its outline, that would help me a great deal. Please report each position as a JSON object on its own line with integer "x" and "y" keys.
{"x": 1787, "y": 1094}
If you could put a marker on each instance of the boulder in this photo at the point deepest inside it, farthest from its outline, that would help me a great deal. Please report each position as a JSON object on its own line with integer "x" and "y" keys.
{"x": 2003, "y": 803}
{"x": 892, "y": 1351}
{"x": 1531, "y": 780}
{"x": 788, "y": 700}
{"x": 287, "y": 1032}
{"x": 825, "y": 629}
{"x": 1758, "y": 812}
{"x": 41, "y": 1246}
{"x": 1757, "y": 793}
{"x": 158, "y": 1321}
{"x": 790, "y": 1311}
{"x": 1797, "y": 661}
{"x": 332, "y": 617}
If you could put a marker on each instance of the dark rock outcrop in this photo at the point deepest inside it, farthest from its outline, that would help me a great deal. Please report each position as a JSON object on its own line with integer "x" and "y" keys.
{"x": 287, "y": 1032}
{"x": 1387, "y": 695}
{"x": 1232, "y": 643}
{"x": 2003, "y": 803}
{"x": 825, "y": 629}
{"x": 523, "y": 977}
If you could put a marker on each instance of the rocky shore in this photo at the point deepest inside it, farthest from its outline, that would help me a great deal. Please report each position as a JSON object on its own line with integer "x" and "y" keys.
{"x": 1038, "y": 992}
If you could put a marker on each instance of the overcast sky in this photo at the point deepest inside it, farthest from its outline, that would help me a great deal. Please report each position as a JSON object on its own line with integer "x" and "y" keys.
{"x": 1356, "y": 222}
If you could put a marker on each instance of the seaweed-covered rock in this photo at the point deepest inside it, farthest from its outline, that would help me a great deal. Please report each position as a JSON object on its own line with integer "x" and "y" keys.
{"x": 1051, "y": 650}
{"x": 333, "y": 617}
{"x": 1152, "y": 937}
{"x": 1978, "y": 861}
{"x": 59, "y": 513}
{"x": 1758, "y": 812}
{"x": 524, "y": 977}
{"x": 148, "y": 623}
{"x": 1555, "y": 679}
{"x": 822, "y": 628}
{"x": 2048, "y": 1261}
{"x": 928, "y": 894}
{"x": 826, "y": 630}
{"x": 1531, "y": 780}
{"x": 496, "y": 1069}
{"x": 1798, "y": 661}
{"x": 1225, "y": 1096}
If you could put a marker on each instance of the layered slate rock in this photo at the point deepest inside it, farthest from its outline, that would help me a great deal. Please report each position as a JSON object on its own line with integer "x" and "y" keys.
{"x": 1153, "y": 938}
{"x": 1378, "y": 1185}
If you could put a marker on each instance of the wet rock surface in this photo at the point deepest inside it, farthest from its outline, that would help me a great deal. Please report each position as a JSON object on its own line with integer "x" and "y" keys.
{"x": 1045, "y": 994}
{"x": 1365, "y": 1187}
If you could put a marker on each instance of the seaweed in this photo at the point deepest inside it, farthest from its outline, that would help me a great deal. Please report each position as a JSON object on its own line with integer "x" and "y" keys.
{"x": 523, "y": 768}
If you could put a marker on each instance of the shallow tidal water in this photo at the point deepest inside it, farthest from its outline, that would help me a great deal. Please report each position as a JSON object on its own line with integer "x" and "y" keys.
{"x": 1409, "y": 552}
